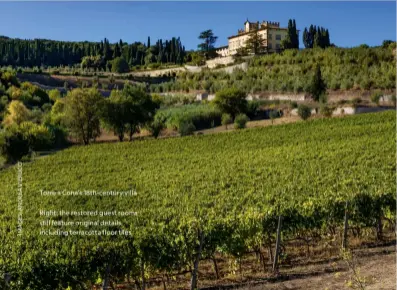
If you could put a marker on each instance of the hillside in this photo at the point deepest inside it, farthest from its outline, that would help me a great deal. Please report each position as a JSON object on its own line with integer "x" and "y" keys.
{"x": 348, "y": 73}
{"x": 223, "y": 192}
{"x": 292, "y": 71}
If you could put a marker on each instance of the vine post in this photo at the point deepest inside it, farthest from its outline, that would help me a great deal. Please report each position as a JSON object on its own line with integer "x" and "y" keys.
{"x": 345, "y": 226}
{"x": 278, "y": 241}
{"x": 193, "y": 284}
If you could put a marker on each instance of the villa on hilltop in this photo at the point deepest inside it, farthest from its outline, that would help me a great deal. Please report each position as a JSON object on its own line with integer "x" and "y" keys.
{"x": 271, "y": 33}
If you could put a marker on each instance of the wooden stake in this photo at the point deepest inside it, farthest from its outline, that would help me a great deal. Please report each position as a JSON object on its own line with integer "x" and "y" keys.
{"x": 278, "y": 241}
{"x": 345, "y": 226}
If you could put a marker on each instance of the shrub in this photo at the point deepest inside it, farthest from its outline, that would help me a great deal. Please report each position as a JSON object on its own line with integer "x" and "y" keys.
{"x": 59, "y": 135}
{"x": 8, "y": 79}
{"x": 38, "y": 136}
{"x": 226, "y": 120}
{"x": 323, "y": 99}
{"x": 375, "y": 97}
{"x": 18, "y": 141}
{"x": 202, "y": 116}
{"x": 304, "y": 112}
{"x": 57, "y": 116}
{"x": 186, "y": 128}
{"x": 3, "y": 103}
{"x": 36, "y": 115}
{"x": 273, "y": 114}
{"x": 356, "y": 102}
{"x": 120, "y": 65}
{"x": 46, "y": 107}
{"x": 252, "y": 109}
{"x": 157, "y": 125}
{"x": 240, "y": 121}
{"x": 13, "y": 146}
{"x": 326, "y": 111}
{"x": 231, "y": 101}
{"x": 16, "y": 113}
{"x": 293, "y": 105}
{"x": 387, "y": 43}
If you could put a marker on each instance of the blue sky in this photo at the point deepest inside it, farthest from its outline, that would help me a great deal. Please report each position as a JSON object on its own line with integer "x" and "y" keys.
{"x": 349, "y": 23}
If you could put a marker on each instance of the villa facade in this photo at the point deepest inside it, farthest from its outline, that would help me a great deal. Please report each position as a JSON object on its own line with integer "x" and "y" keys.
{"x": 270, "y": 32}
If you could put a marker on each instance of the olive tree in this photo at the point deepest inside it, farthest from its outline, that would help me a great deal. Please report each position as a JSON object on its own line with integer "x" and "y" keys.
{"x": 128, "y": 110}
{"x": 82, "y": 113}
{"x": 231, "y": 101}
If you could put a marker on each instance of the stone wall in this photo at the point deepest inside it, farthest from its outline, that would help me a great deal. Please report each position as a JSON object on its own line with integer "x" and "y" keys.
{"x": 213, "y": 63}
{"x": 282, "y": 97}
{"x": 349, "y": 110}
{"x": 229, "y": 69}
{"x": 334, "y": 96}
{"x": 158, "y": 72}
{"x": 192, "y": 68}
{"x": 345, "y": 111}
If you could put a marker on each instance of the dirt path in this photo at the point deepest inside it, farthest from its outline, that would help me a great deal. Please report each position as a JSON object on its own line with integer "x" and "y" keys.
{"x": 110, "y": 137}
{"x": 253, "y": 124}
{"x": 376, "y": 267}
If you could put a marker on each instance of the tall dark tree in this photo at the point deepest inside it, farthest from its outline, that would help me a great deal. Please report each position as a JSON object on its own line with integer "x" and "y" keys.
{"x": 116, "y": 51}
{"x": 295, "y": 35}
{"x": 40, "y": 52}
{"x": 316, "y": 37}
{"x": 327, "y": 41}
{"x": 306, "y": 38}
{"x": 317, "y": 87}
{"x": 291, "y": 41}
{"x": 107, "y": 52}
{"x": 208, "y": 39}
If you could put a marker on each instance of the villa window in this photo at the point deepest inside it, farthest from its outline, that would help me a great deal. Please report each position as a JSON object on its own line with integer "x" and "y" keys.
{"x": 269, "y": 36}
{"x": 278, "y": 37}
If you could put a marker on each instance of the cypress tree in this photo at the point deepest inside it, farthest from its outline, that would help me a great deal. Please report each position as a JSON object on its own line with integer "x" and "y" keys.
{"x": 327, "y": 40}
{"x": 312, "y": 33}
{"x": 293, "y": 34}
{"x": 305, "y": 38}
{"x": 317, "y": 38}
{"x": 116, "y": 52}
{"x": 39, "y": 52}
{"x": 292, "y": 39}
{"x": 318, "y": 86}
{"x": 322, "y": 41}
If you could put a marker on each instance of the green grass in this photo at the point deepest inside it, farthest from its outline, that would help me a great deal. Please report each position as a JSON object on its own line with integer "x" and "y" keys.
{"x": 202, "y": 116}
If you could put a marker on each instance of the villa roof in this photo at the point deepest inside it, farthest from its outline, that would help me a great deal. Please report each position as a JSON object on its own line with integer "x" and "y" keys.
{"x": 222, "y": 47}
{"x": 260, "y": 29}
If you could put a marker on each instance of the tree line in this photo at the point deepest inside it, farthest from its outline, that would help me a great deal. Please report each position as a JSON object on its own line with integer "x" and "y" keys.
{"x": 43, "y": 52}
{"x": 316, "y": 36}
